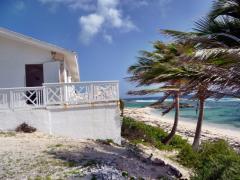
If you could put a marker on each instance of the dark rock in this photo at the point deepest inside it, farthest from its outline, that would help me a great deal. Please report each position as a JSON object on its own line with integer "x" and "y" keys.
{"x": 175, "y": 172}
{"x": 158, "y": 162}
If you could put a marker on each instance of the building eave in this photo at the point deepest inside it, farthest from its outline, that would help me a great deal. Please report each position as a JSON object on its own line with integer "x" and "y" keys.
{"x": 72, "y": 56}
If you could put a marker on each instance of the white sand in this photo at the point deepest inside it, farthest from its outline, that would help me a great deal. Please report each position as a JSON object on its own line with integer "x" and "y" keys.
{"x": 24, "y": 156}
{"x": 186, "y": 127}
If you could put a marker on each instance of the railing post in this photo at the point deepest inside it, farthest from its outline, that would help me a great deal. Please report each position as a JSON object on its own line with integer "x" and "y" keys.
{"x": 117, "y": 91}
{"x": 92, "y": 92}
{"x": 44, "y": 96}
{"x": 11, "y": 100}
{"x": 63, "y": 94}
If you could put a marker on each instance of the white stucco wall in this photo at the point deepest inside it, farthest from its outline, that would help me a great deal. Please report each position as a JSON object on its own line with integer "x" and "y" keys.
{"x": 9, "y": 120}
{"x": 14, "y": 56}
{"x": 92, "y": 122}
{"x": 82, "y": 122}
{"x": 51, "y": 71}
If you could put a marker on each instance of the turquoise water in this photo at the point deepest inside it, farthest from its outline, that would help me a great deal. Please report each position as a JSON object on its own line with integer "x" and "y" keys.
{"x": 224, "y": 111}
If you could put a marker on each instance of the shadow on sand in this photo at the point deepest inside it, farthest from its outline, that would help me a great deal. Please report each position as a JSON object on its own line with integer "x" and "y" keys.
{"x": 126, "y": 160}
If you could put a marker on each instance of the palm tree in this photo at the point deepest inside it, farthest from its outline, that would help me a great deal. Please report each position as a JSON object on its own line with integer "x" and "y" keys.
{"x": 202, "y": 84}
{"x": 168, "y": 91}
{"x": 163, "y": 66}
{"x": 176, "y": 119}
{"x": 217, "y": 40}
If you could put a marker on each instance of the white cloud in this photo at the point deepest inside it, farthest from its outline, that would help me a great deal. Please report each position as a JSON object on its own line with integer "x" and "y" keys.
{"x": 103, "y": 15}
{"x": 90, "y": 26}
{"x": 82, "y": 4}
{"x": 112, "y": 18}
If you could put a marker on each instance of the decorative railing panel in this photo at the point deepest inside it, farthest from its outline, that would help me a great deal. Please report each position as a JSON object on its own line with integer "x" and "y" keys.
{"x": 27, "y": 97}
{"x": 103, "y": 91}
{"x": 82, "y": 92}
{"x": 54, "y": 94}
{"x": 4, "y": 99}
{"x": 51, "y": 94}
{"x": 78, "y": 93}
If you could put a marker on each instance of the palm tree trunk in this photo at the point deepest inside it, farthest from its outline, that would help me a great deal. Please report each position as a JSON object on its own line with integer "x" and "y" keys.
{"x": 174, "y": 128}
{"x": 197, "y": 136}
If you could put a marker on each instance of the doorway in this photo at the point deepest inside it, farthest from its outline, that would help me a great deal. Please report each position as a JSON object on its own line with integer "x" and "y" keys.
{"x": 34, "y": 77}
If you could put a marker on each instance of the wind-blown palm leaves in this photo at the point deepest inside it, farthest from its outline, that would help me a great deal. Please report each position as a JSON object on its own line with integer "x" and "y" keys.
{"x": 225, "y": 7}
{"x": 217, "y": 41}
{"x": 207, "y": 59}
{"x": 163, "y": 66}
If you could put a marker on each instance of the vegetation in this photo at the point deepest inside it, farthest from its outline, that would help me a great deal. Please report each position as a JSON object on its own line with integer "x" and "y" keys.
{"x": 138, "y": 132}
{"x": 216, "y": 38}
{"x": 204, "y": 63}
{"x": 7, "y": 134}
{"x": 168, "y": 66}
{"x": 163, "y": 66}
{"x": 213, "y": 160}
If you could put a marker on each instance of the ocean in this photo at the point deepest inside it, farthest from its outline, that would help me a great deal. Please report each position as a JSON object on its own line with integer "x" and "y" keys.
{"x": 225, "y": 111}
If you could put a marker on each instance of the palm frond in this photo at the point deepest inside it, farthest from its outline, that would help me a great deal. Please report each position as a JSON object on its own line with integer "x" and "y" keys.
{"x": 169, "y": 109}
{"x": 177, "y": 35}
{"x": 225, "y": 53}
{"x": 225, "y": 8}
{"x": 222, "y": 30}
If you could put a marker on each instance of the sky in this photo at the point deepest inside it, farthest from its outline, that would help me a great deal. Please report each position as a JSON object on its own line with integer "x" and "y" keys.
{"x": 106, "y": 34}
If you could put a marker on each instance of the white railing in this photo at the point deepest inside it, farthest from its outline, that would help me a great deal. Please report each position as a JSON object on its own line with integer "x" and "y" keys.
{"x": 26, "y": 97}
{"x": 51, "y": 94}
{"x": 83, "y": 92}
{"x": 4, "y": 99}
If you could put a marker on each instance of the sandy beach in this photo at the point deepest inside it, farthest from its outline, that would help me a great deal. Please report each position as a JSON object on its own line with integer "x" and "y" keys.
{"x": 41, "y": 156}
{"x": 186, "y": 128}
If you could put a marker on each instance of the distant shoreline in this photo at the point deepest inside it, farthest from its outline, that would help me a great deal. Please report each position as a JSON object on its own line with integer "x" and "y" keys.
{"x": 194, "y": 121}
{"x": 186, "y": 128}
{"x": 222, "y": 113}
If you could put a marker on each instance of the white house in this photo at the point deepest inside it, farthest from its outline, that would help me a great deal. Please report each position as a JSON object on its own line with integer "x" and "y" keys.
{"x": 40, "y": 85}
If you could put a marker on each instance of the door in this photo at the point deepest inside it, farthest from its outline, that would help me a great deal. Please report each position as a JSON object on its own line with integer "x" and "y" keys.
{"x": 34, "y": 75}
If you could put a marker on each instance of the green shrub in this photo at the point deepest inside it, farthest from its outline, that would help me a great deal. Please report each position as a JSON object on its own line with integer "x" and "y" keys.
{"x": 217, "y": 160}
{"x": 139, "y": 132}
{"x": 188, "y": 157}
{"x": 214, "y": 160}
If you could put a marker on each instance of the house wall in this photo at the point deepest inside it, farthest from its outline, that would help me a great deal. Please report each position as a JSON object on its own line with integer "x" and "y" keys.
{"x": 51, "y": 71}
{"x": 92, "y": 122}
{"x": 100, "y": 121}
{"x": 14, "y": 56}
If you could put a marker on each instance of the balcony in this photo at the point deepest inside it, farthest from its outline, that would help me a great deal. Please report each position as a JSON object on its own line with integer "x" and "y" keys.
{"x": 59, "y": 94}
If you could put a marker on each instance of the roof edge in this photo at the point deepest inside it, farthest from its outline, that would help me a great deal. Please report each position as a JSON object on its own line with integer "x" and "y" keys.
{"x": 34, "y": 41}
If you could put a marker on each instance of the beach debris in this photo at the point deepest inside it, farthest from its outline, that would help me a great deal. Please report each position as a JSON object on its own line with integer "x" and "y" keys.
{"x": 24, "y": 127}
